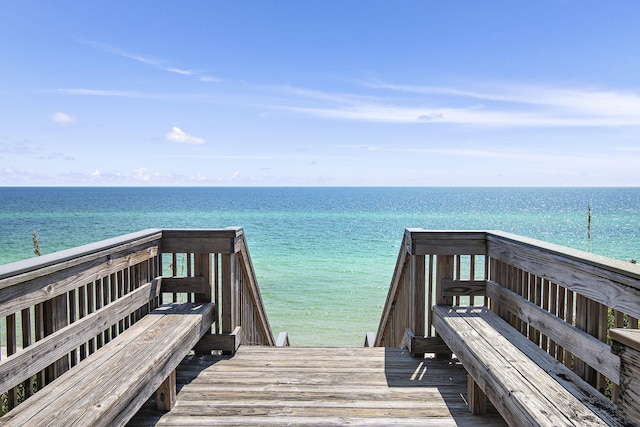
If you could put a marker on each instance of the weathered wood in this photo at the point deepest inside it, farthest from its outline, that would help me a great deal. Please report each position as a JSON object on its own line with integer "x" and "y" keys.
{"x": 610, "y": 282}
{"x": 109, "y": 387}
{"x": 223, "y": 241}
{"x": 463, "y": 287}
{"x": 55, "y": 310}
{"x": 419, "y": 346}
{"x": 476, "y": 398}
{"x": 46, "y": 265}
{"x": 261, "y": 386}
{"x": 166, "y": 394}
{"x": 444, "y": 273}
{"x": 227, "y": 343}
{"x": 43, "y": 288}
{"x": 230, "y": 296}
{"x": 417, "y": 294}
{"x": 184, "y": 284}
{"x": 252, "y": 294}
{"x": 204, "y": 270}
{"x": 382, "y": 336}
{"x": 423, "y": 242}
{"x": 526, "y": 385}
{"x": 626, "y": 344}
{"x": 51, "y": 348}
{"x": 586, "y": 347}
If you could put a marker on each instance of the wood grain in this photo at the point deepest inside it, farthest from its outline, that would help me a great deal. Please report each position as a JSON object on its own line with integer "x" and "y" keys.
{"x": 525, "y": 384}
{"x": 374, "y": 386}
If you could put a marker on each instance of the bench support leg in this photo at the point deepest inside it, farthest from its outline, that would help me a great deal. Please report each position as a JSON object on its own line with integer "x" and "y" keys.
{"x": 476, "y": 398}
{"x": 166, "y": 394}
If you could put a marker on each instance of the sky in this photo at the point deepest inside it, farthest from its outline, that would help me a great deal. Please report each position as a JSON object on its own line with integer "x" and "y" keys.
{"x": 320, "y": 93}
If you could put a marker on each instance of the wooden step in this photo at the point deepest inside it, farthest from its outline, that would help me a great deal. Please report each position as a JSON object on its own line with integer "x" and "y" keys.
{"x": 318, "y": 386}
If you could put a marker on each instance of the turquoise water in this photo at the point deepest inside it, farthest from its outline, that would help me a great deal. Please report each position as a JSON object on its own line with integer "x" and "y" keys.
{"x": 323, "y": 256}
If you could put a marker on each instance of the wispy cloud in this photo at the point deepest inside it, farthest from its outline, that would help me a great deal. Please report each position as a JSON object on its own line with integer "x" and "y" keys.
{"x": 158, "y": 64}
{"x": 178, "y": 135}
{"x": 132, "y": 94}
{"x": 17, "y": 148}
{"x": 500, "y": 106}
{"x": 106, "y": 92}
{"x": 628, "y": 149}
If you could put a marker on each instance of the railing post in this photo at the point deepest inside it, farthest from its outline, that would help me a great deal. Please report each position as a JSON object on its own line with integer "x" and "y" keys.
{"x": 444, "y": 271}
{"x": 417, "y": 294}
{"x": 204, "y": 268}
{"x": 55, "y": 318}
{"x": 626, "y": 344}
{"x": 230, "y": 297}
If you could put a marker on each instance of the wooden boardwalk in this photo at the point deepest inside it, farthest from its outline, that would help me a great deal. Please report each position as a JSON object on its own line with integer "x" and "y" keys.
{"x": 318, "y": 386}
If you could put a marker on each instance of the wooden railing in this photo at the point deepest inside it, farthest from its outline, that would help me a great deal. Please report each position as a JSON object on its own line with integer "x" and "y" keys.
{"x": 216, "y": 265}
{"x": 573, "y": 298}
{"x": 48, "y": 294}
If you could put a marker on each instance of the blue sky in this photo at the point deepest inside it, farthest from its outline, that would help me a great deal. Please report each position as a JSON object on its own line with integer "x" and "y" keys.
{"x": 280, "y": 93}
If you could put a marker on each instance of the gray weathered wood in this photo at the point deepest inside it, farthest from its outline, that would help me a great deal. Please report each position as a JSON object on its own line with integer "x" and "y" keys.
{"x": 41, "y": 354}
{"x": 607, "y": 281}
{"x": 259, "y": 314}
{"x": 429, "y": 242}
{"x": 22, "y": 271}
{"x": 417, "y": 345}
{"x": 166, "y": 393}
{"x": 375, "y": 386}
{"x": 227, "y": 343}
{"x": 417, "y": 293}
{"x": 591, "y": 350}
{"x": 109, "y": 387}
{"x": 45, "y": 287}
{"x": 505, "y": 366}
{"x": 388, "y": 312}
{"x": 626, "y": 344}
{"x": 185, "y": 284}
{"x": 463, "y": 287}
{"x": 223, "y": 241}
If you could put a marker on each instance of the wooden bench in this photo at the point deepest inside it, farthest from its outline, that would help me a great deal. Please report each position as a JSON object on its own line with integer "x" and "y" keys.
{"x": 525, "y": 384}
{"x": 109, "y": 386}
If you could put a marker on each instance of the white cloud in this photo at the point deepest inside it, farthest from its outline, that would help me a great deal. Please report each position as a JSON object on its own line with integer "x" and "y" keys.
{"x": 178, "y": 135}
{"x": 62, "y": 118}
{"x": 141, "y": 174}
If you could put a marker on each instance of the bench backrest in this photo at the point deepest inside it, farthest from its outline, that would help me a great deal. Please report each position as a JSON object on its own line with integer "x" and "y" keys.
{"x": 57, "y": 309}
{"x": 562, "y": 299}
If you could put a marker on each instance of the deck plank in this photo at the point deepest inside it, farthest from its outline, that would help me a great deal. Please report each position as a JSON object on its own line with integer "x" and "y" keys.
{"x": 318, "y": 386}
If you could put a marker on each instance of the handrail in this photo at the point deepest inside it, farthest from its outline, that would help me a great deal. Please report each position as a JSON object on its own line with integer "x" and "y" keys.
{"x": 47, "y": 294}
{"x": 385, "y": 337}
{"x": 261, "y": 330}
{"x": 412, "y": 283}
{"x": 587, "y": 292}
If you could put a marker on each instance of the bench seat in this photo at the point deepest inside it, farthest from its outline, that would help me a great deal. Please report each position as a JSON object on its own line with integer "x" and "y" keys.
{"x": 109, "y": 387}
{"x": 525, "y": 384}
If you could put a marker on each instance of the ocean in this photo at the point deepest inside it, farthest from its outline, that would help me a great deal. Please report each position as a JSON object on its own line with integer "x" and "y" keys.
{"x": 324, "y": 256}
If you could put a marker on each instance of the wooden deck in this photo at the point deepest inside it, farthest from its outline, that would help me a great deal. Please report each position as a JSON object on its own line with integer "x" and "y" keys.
{"x": 318, "y": 386}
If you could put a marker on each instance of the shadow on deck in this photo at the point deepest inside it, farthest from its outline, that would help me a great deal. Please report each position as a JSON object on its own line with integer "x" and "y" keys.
{"x": 318, "y": 386}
